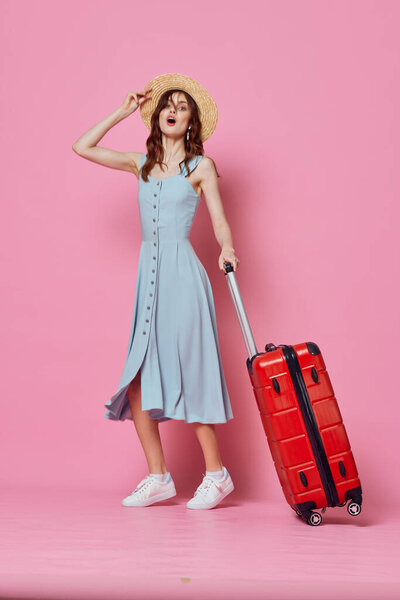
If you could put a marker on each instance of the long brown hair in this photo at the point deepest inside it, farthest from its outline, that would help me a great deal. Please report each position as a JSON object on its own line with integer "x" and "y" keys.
{"x": 155, "y": 150}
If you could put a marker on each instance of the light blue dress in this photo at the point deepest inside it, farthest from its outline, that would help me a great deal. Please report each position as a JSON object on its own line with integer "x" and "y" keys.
{"x": 174, "y": 338}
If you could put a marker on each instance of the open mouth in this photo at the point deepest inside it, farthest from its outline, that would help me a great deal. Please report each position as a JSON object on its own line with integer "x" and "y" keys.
{"x": 171, "y": 121}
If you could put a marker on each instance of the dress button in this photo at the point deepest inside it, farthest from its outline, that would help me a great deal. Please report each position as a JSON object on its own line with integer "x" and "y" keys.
{"x": 153, "y": 270}
{"x": 154, "y": 206}
{"x": 154, "y": 257}
{"x": 150, "y": 294}
{"x": 158, "y": 183}
{"x": 148, "y": 307}
{"x": 155, "y": 195}
{"x": 144, "y": 332}
{"x": 154, "y": 232}
{"x": 152, "y": 282}
{"x": 155, "y": 244}
{"x": 147, "y": 320}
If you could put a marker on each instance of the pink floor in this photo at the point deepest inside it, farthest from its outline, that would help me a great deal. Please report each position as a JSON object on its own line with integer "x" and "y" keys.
{"x": 59, "y": 544}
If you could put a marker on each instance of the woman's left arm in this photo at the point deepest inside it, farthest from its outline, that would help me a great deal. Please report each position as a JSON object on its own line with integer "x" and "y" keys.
{"x": 222, "y": 231}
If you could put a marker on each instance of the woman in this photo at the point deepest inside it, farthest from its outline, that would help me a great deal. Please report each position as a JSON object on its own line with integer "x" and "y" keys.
{"x": 173, "y": 368}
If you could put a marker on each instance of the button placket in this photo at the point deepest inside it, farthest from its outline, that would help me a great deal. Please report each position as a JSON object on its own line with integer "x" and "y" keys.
{"x": 156, "y": 202}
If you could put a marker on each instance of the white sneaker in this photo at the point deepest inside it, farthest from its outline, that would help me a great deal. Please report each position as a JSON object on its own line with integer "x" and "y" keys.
{"x": 149, "y": 491}
{"x": 211, "y": 491}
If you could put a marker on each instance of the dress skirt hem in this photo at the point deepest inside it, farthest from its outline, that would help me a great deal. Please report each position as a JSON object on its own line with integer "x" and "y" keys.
{"x": 121, "y": 411}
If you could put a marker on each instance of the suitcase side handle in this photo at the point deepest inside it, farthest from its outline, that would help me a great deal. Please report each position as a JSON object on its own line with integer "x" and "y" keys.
{"x": 240, "y": 310}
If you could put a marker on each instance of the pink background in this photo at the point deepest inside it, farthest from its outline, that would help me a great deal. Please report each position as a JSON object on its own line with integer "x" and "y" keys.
{"x": 307, "y": 143}
{"x": 307, "y": 146}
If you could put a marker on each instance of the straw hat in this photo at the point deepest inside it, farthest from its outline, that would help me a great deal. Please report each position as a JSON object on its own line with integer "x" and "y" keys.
{"x": 206, "y": 104}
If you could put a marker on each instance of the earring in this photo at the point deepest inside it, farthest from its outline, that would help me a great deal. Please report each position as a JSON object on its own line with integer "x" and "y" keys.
{"x": 187, "y": 133}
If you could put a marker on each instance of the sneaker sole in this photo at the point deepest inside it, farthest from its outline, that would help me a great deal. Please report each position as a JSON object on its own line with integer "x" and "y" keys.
{"x": 158, "y": 498}
{"x": 228, "y": 490}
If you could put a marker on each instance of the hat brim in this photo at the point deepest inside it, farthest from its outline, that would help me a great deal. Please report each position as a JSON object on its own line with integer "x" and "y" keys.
{"x": 207, "y": 107}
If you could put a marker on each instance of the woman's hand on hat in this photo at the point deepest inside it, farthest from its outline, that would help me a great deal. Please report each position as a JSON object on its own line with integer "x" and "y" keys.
{"x": 133, "y": 100}
{"x": 228, "y": 255}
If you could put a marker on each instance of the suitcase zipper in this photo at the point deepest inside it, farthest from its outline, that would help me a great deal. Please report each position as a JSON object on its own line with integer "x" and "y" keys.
{"x": 314, "y": 435}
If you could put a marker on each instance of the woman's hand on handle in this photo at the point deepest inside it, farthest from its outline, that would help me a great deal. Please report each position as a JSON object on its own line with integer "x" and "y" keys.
{"x": 228, "y": 255}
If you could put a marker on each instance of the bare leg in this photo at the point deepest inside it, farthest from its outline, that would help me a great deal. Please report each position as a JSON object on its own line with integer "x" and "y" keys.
{"x": 147, "y": 429}
{"x": 208, "y": 441}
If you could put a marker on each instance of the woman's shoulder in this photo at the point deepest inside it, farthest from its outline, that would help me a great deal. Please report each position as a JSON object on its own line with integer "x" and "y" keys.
{"x": 206, "y": 164}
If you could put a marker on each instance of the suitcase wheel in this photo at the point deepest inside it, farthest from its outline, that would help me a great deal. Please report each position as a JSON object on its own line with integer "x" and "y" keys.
{"x": 314, "y": 518}
{"x": 353, "y": 508}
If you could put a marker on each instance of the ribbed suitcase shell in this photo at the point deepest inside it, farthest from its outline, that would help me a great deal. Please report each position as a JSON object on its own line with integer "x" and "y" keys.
{"x": 302, "y": 422}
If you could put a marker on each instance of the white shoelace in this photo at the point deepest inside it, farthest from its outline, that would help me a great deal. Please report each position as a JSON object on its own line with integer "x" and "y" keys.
{"x": 206, "y": 484}
{"x": 143, "y": 485}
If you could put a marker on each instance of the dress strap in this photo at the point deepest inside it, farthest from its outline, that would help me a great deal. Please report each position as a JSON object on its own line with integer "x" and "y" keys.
{"x": 193, "y": 162}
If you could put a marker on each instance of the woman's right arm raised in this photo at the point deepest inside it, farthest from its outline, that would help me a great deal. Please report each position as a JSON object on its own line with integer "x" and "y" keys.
{"x": 86, "y": 145}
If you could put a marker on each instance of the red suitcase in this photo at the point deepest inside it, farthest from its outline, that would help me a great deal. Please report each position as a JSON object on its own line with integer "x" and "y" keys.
{"x": 302, "y": 422}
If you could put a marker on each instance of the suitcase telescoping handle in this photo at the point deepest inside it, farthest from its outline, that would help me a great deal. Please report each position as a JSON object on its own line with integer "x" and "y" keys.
{"x": 240, "y": 310}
